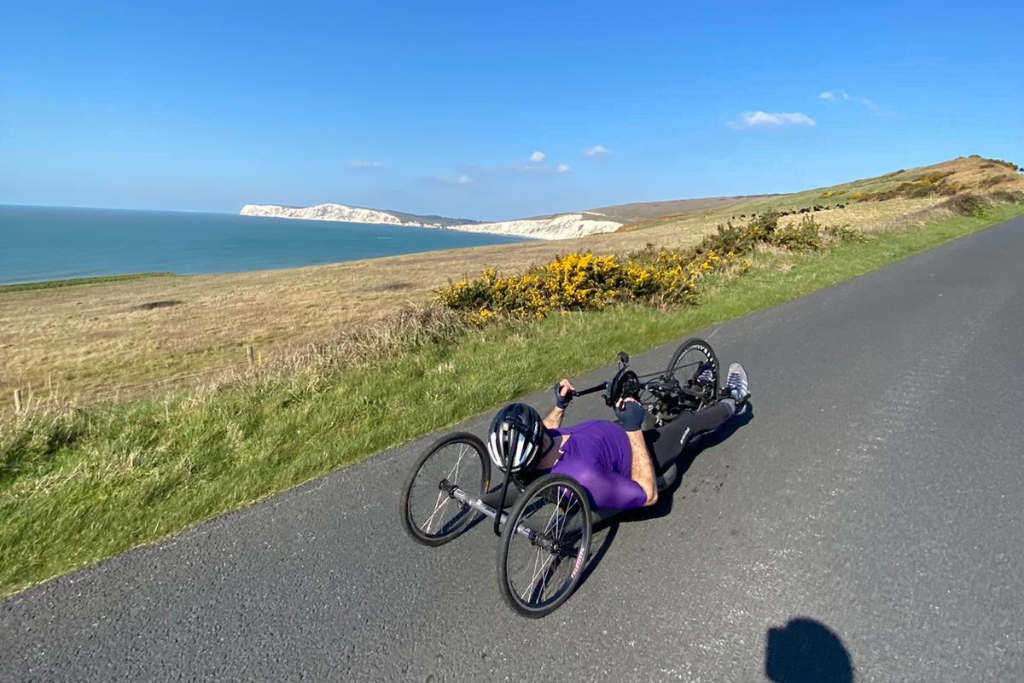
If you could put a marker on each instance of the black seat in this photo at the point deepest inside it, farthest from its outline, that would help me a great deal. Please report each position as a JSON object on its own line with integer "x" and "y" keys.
{"x": 493, "y": 498}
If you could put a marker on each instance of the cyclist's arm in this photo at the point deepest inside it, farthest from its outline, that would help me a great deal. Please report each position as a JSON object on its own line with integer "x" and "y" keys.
{"x": 642, "y": 467}
{"x": 554, "y": 418}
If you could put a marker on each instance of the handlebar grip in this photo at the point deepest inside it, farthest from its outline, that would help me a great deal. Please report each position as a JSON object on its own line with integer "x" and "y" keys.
{"x": 583, "y": 392}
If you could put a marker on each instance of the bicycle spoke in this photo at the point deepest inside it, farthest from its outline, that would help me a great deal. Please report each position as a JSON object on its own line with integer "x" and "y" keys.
{"x": 453, "y": 474}
{"x": 542, "y": 570}
{"x": 537, "y": 572}
{"x": 438, "y": 506}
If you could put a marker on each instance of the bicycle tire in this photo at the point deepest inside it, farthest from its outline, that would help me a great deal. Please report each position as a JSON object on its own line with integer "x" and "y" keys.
{"x": 679, "y": 359}
{"x": 433, "y": 530}
{"x": 569, "y": 526}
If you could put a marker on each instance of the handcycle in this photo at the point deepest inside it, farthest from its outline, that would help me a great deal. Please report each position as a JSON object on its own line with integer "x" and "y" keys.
{"x": 545, "y": 522}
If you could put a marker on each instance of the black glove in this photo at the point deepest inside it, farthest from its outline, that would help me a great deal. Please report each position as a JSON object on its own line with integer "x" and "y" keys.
{"x": 561, "y": 401}
{"x": 631, "y": 416}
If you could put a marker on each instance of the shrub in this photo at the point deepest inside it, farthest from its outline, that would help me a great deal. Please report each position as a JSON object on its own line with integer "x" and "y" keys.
{"x": 1008, "y": 164}
{"x": 841, "y": 233}
{"x": 1007, "y": 197}
{"x": 992, "y": 181}
{"x": 589, "y": 282}
{"x": 965, "y": 205}
{"x": 934, "y": 184}
{"x": 805, "y": 236}
{"x": 576, "y": 282}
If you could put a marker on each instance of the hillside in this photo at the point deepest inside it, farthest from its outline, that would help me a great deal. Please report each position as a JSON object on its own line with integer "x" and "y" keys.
{"x": 859, "y": 202}
{"x": 641, "y": 211}
{"x": 108, "y": 339}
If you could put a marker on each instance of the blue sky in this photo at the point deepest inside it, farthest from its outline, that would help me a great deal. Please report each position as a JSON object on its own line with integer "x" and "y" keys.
{"x": 438, "y": 107}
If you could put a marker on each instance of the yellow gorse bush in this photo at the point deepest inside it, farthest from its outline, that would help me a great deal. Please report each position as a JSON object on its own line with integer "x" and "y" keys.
{"x": 578, "y": 282}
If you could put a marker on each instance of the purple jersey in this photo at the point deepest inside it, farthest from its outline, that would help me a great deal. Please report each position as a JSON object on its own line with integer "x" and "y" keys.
{"x": 599, "y": 456}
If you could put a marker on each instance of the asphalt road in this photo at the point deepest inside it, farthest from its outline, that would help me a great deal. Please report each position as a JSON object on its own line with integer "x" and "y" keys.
{"x": 868, "y": 521}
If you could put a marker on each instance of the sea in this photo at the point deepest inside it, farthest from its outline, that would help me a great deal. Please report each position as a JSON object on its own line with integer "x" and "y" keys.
{"x": 51, "y": 243}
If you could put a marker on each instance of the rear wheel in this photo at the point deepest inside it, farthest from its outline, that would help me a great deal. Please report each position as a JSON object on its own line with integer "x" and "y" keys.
{"x": 694, "y": 366}
{"x": 430, "y": 514}
{"x": 544, "y": 546}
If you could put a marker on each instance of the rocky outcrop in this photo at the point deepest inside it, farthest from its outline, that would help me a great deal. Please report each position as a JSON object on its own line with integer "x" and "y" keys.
{"x": 564, "y": 226}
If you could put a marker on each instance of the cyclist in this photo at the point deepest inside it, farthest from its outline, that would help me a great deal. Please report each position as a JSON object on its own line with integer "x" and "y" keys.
{"x": 613, "y": 461}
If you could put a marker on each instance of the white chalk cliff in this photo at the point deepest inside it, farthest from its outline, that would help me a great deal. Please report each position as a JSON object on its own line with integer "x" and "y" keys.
{"x": 331, "y": 212}
{"x": 564, "y": 226}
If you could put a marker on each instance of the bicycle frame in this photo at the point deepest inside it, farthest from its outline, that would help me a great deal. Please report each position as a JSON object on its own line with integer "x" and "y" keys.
{"x": 499, "y": 516}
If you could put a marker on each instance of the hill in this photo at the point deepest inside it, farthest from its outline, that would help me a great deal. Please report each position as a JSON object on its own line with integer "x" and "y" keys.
{"x": 859, "y": 202}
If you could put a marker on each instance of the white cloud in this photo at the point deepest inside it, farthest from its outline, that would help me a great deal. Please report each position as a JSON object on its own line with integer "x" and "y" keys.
{"x": 538, "y": 169}
{"x": 597, "y": 152}
{"x": 831, "y": 95}
{"x": 761, "y": 119}
{"x": 466, "y": 175}
{"x": 462, "y": 180}
{"x": 365, "y": 163}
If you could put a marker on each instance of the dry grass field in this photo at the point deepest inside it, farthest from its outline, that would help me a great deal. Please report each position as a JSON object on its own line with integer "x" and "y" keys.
{"x": 110, "y": 339}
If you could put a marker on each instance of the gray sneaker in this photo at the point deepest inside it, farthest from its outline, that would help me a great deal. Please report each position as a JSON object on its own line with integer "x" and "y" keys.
{"x": 736, "y": 386}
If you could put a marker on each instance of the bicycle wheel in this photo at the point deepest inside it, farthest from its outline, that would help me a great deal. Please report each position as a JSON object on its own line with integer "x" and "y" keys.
{"x": 695, "y": 366}
{"x": 430, "y": 514}
{"x": 544, "y": 546}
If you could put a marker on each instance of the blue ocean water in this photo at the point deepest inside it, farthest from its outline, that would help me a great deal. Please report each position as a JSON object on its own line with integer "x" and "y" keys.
{"x": 49, "y": 243}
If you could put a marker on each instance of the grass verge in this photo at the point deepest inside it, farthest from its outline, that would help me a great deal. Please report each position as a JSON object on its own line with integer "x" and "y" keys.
{"x": 74, "y": 282}
{"x": 80, "y": 487}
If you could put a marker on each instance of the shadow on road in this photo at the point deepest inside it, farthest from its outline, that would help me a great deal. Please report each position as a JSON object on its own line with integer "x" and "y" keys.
{"x": 806, "y": 651}
{"x": 685, "y": 460}
{"x": 610, "y": 527}
{"x": 604, "y": 534}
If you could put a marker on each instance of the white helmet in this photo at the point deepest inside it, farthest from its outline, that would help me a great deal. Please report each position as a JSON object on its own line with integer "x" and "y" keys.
{"x": 515, "y": 437}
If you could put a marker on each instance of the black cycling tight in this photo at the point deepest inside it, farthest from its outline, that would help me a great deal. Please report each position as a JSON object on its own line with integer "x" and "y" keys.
{"x": 666, "y": 443}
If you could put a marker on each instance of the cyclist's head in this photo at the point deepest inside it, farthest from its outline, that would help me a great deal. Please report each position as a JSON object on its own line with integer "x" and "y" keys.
{"x": 516, "y": 437}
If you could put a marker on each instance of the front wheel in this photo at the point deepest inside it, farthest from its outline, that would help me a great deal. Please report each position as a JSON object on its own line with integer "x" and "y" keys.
{"x": 694, "y": 366}
{"x": 430, "y": 514}
{"x": 544, "y": 546}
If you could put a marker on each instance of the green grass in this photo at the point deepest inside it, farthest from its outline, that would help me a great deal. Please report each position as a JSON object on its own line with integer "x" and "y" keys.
{"x": 50, "y": 284}
{"x": 77, "y": 488}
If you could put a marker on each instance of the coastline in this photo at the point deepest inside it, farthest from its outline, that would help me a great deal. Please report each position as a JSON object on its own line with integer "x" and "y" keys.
{"x": 44, "y": 246}
{"x": 557, "y": 227}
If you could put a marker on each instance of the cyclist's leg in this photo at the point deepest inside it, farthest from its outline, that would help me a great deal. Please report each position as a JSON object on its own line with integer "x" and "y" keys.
{"x": 666, "y": 443}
